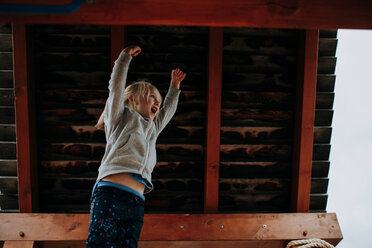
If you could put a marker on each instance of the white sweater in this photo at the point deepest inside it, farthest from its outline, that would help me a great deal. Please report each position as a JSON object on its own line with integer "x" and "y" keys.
{"x": 131, "y": 138}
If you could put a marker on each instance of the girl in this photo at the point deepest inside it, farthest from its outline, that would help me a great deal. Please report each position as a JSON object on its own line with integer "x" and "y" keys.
{"x": 132, "y": 121}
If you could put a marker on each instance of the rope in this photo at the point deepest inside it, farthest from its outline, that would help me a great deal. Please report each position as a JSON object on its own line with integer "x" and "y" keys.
{"x": 309, "y": 243}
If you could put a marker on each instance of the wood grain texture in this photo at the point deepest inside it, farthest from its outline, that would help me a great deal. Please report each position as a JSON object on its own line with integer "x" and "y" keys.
{"x": 255, "y": 152}
{"x": 5, "y": 42}
{"x": 255, "y": 135}
{"x": 6, "y": 28}
{"x": 6, "y": 62}
{"x": 258, "y": 101}
{"x": 323, "y": 121}
{"x": 8, "y": 150}
{"x": 6, "y": 77}
{"x": 20, "y": 244}
{"x": 175, "y": 244}
{"x": 7, "y": 132}
{"x": 318, "y": 202}
{"x": 327, "y": 46}
{"x": 264, "y": 202}
{"x": 255, "y": 169}
{"x": 196, "y": 227}
{"x": 304, "y": 122}
{"x": 326, "y": 64}
{"x": 9, "y": 185}
{"x": 8, "y": 167}
{"x": 253, "y": 13}
{"x": 6, "y": 97}
{"x": 25, "y": 123}
{"x": 9, "y": 202}
{"x": 71, "y": 98}
{"x": 257, "y": 113}
{"x": 212, "y": 151}
{"x": 117, "y": 42}
{"x": 326, "y": 83}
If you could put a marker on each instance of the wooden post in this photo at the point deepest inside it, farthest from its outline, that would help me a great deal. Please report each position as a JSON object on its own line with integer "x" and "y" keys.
{"x": 213, "y": 121}
{"x": 304, "y": 121}
{"x": 25, "y": 124}
{"x": 117, "y": 42}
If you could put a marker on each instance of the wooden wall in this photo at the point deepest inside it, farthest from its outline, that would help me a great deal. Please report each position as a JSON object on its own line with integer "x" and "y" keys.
{"x": 8, "y": 162}
{"x": 258, "y": 99}
{"x": 323, "y": 119}
{"x": 72, "y": 67}
{"x": 179, "y": 174}
{"x": 72, "y": 70}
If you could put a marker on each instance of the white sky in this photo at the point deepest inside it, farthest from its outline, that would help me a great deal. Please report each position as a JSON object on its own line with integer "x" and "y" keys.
{"x": 350, "y": 184}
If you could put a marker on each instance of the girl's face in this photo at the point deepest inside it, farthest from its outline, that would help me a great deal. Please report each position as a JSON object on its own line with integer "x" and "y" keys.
{"x": 148, "y": 105}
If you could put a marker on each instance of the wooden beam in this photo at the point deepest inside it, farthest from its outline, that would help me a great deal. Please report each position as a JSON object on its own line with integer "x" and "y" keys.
{"x": 25, "y": 124}
{"x": 117, "y": 42}
{"x": 315, "y": 14}
{"x": 214, "y": 244}
{"x": 212, "y": 152}
{"x": 19, "y": 244}
{"x": 304, "y": 121}
{"x": 264, "y": 229}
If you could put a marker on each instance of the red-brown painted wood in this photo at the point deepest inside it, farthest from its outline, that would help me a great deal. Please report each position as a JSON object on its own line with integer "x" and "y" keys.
{"x": 262, "y": 228}
{"x": 117, "y": 42}
{"x": 316, "y": 14}
{"x": 213, "y": 121}
{"x": 25, "y": 124}
{"x": 304, "y": 121}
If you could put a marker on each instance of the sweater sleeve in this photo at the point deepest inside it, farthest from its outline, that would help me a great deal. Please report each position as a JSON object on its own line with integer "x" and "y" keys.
{"x": 115, "y": 100}
{"x": 169, "y": 108}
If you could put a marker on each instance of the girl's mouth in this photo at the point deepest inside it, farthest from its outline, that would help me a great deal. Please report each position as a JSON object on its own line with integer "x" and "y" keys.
{"x": 154, "y": 110}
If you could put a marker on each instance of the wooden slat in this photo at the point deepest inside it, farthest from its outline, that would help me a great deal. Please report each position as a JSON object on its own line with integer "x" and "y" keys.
{"x": 304, "y": 121}
{"x": 25, "y": 124}
{"x": 9, "y": 203}
{"x": 213, "y": 121}
{"x": 6, "y": 78}
{"x": 8, "y": 167}
{"x": 262, "y": 228}
{"x": 8, "y": 150}
{"x": 318, "y": 202}
{"x": 117, "y": 42}
{"x": 19, "y": 244}
{"x": 326, "y": 82}
{"x": 8, "y": 185}
{"x": 5, "y": 61}
{"x": 320, "y": 168}
{"x": 5, "y": 42}
{"x": 315, "y": 14}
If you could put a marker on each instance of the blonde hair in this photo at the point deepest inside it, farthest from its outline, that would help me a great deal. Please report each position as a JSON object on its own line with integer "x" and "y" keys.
{"x": 137, "y": 89}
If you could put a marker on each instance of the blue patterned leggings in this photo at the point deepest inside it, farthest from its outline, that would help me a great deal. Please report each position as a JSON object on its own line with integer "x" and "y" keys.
{"x": 116, "y": 218}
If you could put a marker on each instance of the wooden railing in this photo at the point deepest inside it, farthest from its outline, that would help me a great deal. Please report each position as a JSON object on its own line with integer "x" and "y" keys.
{"x": 176, "y": 230}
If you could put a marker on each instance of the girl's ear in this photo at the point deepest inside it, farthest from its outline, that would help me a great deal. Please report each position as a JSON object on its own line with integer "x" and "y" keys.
{"x": 132, "y": 101}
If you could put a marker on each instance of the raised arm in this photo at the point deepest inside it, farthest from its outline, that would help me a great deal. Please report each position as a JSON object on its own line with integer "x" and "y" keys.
{"x": 171, "y": 100}
{"x": 115, "y": 102}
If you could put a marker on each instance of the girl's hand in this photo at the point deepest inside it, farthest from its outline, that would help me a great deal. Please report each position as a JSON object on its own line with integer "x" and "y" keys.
{"x": 132, "y": 50}
{"x": 177, "y": 77}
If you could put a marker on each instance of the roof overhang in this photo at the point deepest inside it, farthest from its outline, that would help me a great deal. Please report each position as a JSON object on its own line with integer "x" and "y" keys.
{"x": 315, "y": 14}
